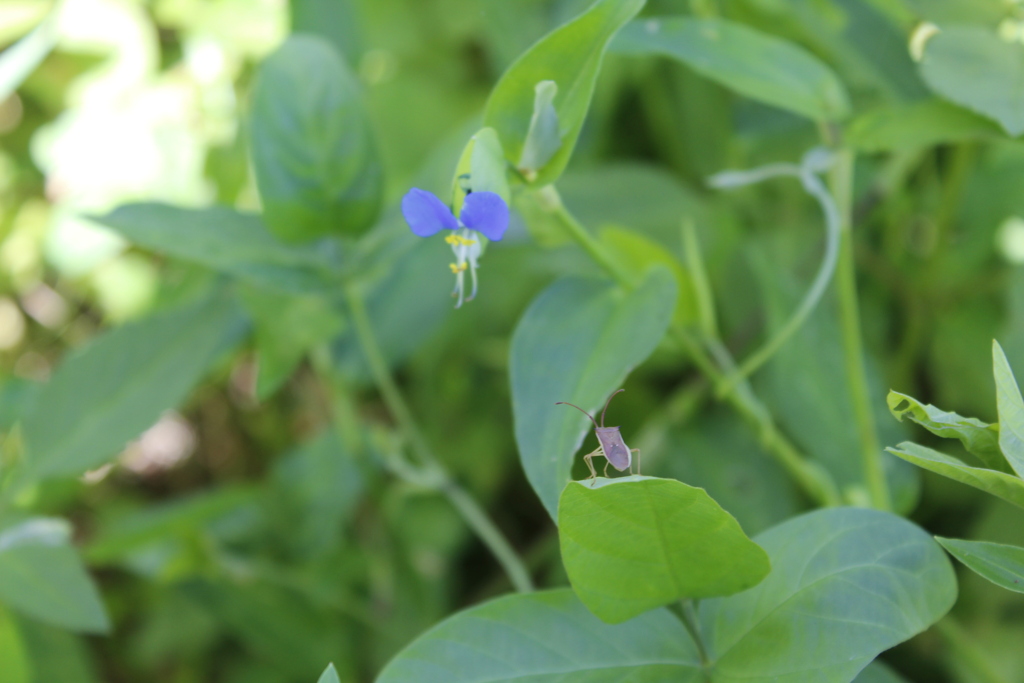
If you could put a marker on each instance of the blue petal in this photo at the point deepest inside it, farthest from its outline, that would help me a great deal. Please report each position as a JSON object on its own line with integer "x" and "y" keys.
{"x": 426, "y": 214}
{"x": 487, "y": 213}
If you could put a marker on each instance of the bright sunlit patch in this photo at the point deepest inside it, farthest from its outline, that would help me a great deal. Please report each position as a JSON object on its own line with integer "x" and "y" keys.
{"x": 164, "y": 445}
{"x": 12, "y": 324}
{"x": 1010, "y": 239}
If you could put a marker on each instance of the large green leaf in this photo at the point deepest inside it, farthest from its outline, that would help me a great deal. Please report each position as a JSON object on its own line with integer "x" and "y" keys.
{"x": 576, "y": 343}
{"x": 1011, "y": 410}
{"x": 723, "y": 457}
{"x": 979, "y": 438}
{"x": 1000, "y": 484}
{"x": 974, "y": 67}
{"x": 570, "y": 56}
{"x": 1001, "y": 564}
{"x": 42, "y": 576}
{"x": 225, "y": 240}
{"x": 111, "y": 390}
{"x": 846, "y": 584}
{"x": 635, "y": 543}
{"x": 925, "y": 123}
{"x": 754, "y": 64}
{"x": 547, "y": 637}
{"x": 312, "y": 149}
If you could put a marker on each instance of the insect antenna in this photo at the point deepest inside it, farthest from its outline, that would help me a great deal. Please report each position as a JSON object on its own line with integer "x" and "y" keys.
{"x": 566, "y": 403}
{"x": 606, "y": 406}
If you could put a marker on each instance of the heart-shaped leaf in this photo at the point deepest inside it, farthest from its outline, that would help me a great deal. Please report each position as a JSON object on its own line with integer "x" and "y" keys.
{"x": 635, "y": 543}
{"x": 547, "y": 637}
{"x": 846, "y": 584}
{"x": 1001, "y": 564}
{"x": 577, "y": 342}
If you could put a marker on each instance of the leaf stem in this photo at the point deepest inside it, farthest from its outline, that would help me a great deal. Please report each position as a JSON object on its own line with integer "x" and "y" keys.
{"x": 841, "y": 185}
{"x": 471, "y": 511}
{"x": 585, "y": 240}
{"x": 965, "y": 652}
{"x": 688, "y": 612}
{"x": 812, "y": 478}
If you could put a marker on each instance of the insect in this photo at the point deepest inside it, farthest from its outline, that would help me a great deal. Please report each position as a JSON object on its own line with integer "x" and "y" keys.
{"x": 611, "y": 446}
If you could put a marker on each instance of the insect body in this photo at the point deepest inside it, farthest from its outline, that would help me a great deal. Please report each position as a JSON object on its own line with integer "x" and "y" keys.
{"x": 611, "y": 445}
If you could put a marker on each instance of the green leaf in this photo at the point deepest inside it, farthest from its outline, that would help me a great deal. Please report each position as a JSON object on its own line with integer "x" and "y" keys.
{"x": 914, "y": 125}
{"x": 727, "y": 460}
{"x": 312, "y": 149}
{"x": 979, "y": 438}
{"x": 330, "y": 675}
{"x": 335, "y": 20}
{"x": 745, "y": 60}
{"x": 42, "y": 576}
{"x": 846, "y": 584}
{"x": 225, "y": 240}
{"x": 130, "y": 530}
{"x": 1011, "y": 410}
{"x": 974, "y": 67}
{"x": 877, "y": 672}
{"x": 1001, "y": 564}
{"x": 630, "y": 545}
{"x": 315, "y": 489}
{"x": 638, "y": 253}
{"x": 56, "y": 654}
{"x": 110, "y": 391}
{"x": 14, "y": 661}
{"x": 481, "y": 168}
{"x": 546, "y": 637}
{"x": 287, "y": 327}
{"x": 570, "y": 56}
{"x": 960, "y": 11}
{"x": 577, "y": 342}
{"x": 1000, "y": 484}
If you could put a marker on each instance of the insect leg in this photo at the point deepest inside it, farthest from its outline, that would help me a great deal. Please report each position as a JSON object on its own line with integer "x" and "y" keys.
{"x": 606, "y": 468}
{"x": 637, "y": 451}
{"x": 590, "y": 464}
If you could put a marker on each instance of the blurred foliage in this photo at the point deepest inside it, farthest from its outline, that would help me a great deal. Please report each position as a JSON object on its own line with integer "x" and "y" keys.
{"x": 258, "y": 524}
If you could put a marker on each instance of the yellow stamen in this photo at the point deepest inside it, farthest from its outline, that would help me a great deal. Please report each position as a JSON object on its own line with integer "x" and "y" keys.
{"x": 458, "y": 239}
{"x": 456, "y": 269}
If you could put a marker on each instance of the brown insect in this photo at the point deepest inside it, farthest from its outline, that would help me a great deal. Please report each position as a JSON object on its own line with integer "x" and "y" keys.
{"x": 611, "y": 446}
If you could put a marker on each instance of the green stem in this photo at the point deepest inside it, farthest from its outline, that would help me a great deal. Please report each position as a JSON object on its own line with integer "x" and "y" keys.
{"x": 585, "y": 240}
{"x": 471, "y": 512}
{"x": 965, "y": 653}
{"x": 690, "y": 620}
{"x": 841, "y": 182}
{"x": 814, "y": 480}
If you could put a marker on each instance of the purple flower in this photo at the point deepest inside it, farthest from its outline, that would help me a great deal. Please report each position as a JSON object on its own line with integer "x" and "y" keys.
{"x": 483, "y": 213}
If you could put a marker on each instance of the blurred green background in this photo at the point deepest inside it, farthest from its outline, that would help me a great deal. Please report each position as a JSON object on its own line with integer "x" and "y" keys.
{"x": 230, "y": 544}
